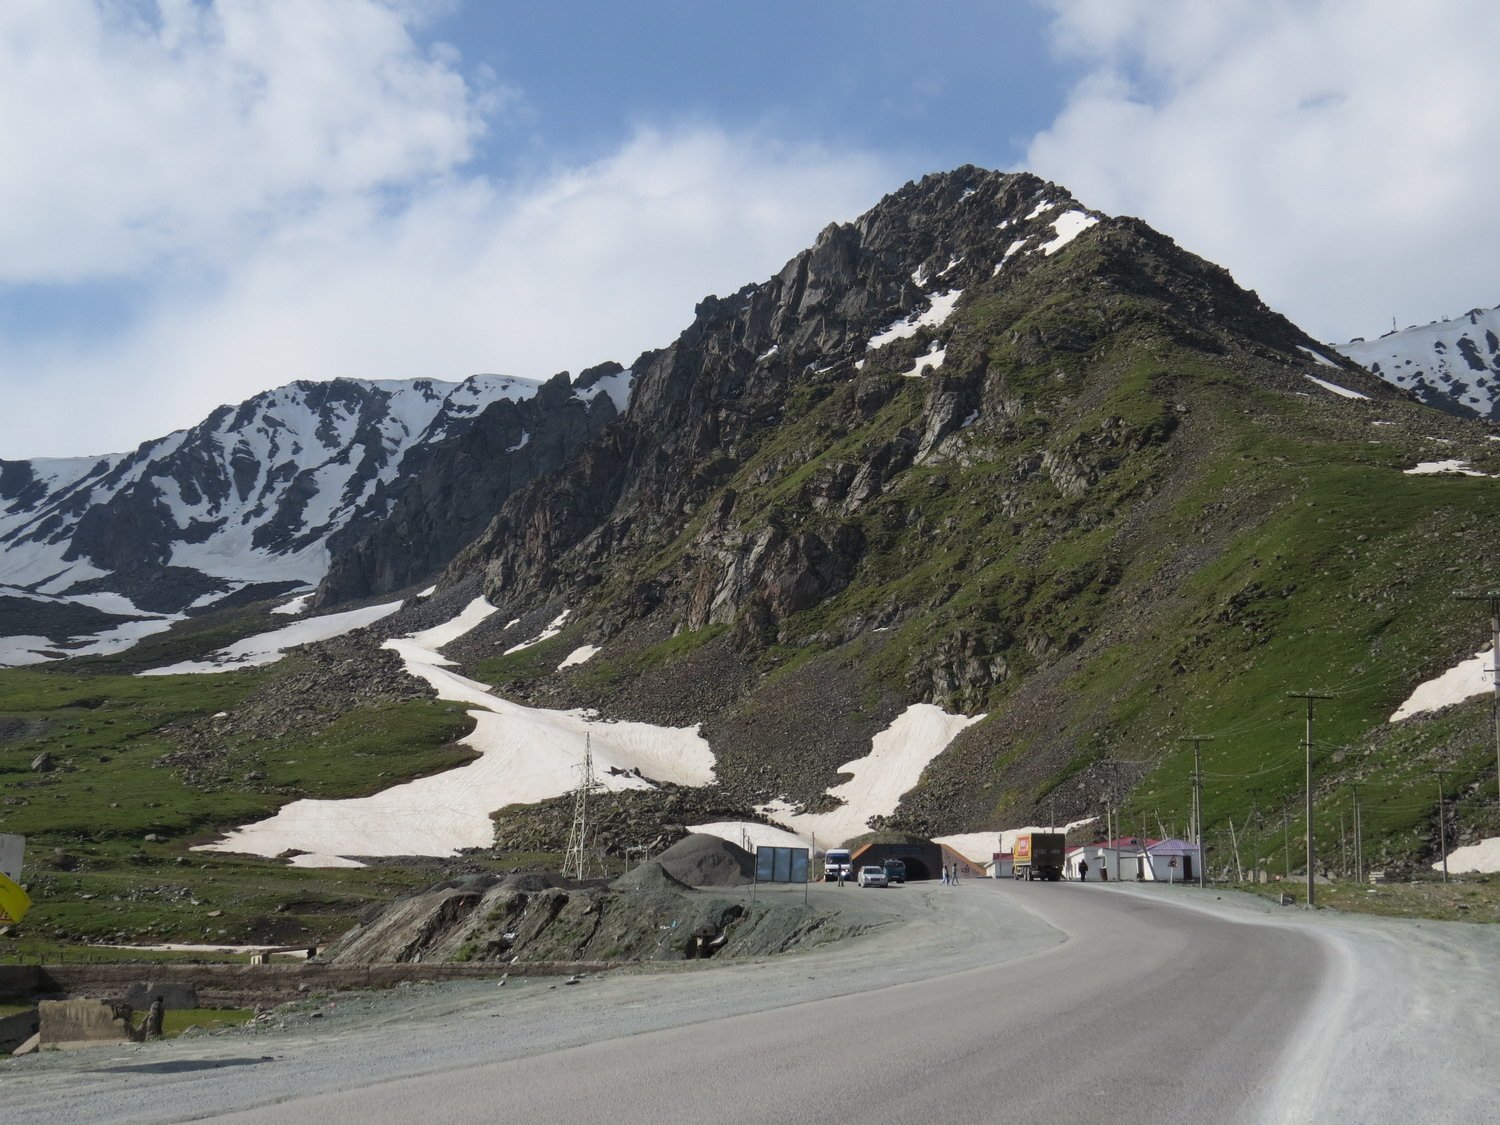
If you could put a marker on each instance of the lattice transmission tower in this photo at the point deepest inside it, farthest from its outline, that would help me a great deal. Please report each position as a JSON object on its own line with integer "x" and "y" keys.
{"x": 575, "y": 859}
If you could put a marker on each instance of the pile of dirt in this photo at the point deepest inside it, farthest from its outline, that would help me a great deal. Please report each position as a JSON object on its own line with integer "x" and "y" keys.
{"x": 649, "y": 876}
{"x": 707, "y": 861}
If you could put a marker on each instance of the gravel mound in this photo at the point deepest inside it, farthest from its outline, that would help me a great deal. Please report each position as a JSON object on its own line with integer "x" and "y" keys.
{"x": 649, "y": 876}
{"x": 708, "y": 861}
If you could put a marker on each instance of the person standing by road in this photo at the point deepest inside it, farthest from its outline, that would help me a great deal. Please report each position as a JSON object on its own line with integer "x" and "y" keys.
{"x": 1083, "y": 871}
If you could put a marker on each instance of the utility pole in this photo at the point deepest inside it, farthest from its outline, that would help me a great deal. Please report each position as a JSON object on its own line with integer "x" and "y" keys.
{"x": 1493, "y": 598}
{"x": 1309, "y": 696}
{"x": 1286, "y": 840}
{"x": 1198, "y": 740}
{"x": 1234, "y": 843}
{"x": 1442, "y": 827}
{"x": 1343, "y": 846}
{"x": 1359, "y": 838}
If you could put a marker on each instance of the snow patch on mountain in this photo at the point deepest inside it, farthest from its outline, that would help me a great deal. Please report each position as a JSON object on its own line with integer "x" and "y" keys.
{"x": 1452, "y": 467}
{"x": 616, "y": 386}
{"x": 1068, "y": 226}
{"x": 927, "y": 364}
{"x": 1465, "y": 680}
{"x": 581, "y": 655}
{"x": 939, "y": 309}
{"x": 1342, "y": 392}
{"x": 1448, "y": 362}
{"x": 751, "y": 834}
{"x": 553, "y": 628}
{"x": 897, "y": 757}
{"x": 18, "y": 652}
{"x": 527, "y": 755}
{"x": 267, "y": 648}
{"x": 1318, "y": 357}
{"x": 1482, "y": 858}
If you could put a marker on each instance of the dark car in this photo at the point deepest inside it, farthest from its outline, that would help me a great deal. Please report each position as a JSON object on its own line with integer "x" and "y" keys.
{"x": 895, "y": 871}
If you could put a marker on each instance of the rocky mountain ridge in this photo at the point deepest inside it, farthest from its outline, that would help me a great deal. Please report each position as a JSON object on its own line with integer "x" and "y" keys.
{"x": 987, "y": 449}
{"x": 982, "y": 451}
{"x": 864, "y": 311}
{"x": 257, "y": 498}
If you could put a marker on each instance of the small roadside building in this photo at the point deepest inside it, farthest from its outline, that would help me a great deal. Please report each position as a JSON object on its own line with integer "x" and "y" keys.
{"x": 1135, "y": 858}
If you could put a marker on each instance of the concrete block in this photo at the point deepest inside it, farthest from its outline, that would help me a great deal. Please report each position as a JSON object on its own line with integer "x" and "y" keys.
{"x": 79, "y": 1022}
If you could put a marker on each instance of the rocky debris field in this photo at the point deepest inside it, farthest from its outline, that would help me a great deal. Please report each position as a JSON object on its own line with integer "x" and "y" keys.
{"x": 652, "y": 913}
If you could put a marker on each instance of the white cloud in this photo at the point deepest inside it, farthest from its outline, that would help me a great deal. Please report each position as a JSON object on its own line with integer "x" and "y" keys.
{"x": 595, "y": 263}
{"x": 1337, "y": 156}
{"x": 132, "y": 135}
{"x": 286, "y": 188}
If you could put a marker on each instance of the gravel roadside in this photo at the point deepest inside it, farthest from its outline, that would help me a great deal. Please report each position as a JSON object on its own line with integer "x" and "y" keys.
{"x": 1403, "y": 1030}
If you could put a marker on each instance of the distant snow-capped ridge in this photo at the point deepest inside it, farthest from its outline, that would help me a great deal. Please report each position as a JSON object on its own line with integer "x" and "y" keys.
{"x": 1450, "y": 364}
{"x": 255, "y": 496}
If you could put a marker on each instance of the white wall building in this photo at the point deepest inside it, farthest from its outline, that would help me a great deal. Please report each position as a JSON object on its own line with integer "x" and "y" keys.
{"x": 1135, "y": 859}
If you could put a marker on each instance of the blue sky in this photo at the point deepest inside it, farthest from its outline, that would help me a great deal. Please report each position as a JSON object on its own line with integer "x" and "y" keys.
{"x": 202, "y": 199}
{"x": 932, "y": 86}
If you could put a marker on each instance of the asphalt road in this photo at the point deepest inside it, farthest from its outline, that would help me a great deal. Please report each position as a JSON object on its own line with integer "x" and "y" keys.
{"x": 983, "y": 1003}
{"x": 1144, "y": 1013}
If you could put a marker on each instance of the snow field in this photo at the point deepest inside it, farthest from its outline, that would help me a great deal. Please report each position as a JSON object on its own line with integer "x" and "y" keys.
{"x": 1434, "y": 468}
{"x": 897, "y": 757}
{"x": 1464, "y": 680}
{"x": 19, "y": 651}
{"x": 928, "y": 363}
{"x": 1481, "y": 858}
{"x": 527, "y": 755}
{"x": 295, "y": 607}
{"x": 267, "y": 648}
{"x": 754, "y": 833}
{"x": 554, "y": 628}
{"x": 1319, "y": 358}
{"x": 1342, "y": 392}
{"x": 1068, "y": 226}
{"x": 581, "y": 655}
{"x": 936, "y": 316}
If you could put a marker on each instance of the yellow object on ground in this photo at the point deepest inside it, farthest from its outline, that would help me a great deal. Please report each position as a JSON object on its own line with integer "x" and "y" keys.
{"x": 14, "y": 902}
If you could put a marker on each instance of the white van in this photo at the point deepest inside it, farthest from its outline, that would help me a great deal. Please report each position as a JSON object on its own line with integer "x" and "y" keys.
{"x": 836, "y": 862}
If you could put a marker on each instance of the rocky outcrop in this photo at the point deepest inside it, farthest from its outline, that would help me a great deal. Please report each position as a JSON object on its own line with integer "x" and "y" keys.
{"x": 457, "y": 486}
{"x": 255, "y": 496}
{"x": 694, "y": 457}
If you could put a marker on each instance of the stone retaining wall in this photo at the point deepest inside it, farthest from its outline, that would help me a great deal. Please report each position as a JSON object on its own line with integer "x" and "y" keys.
{"x": 249, "y": 986}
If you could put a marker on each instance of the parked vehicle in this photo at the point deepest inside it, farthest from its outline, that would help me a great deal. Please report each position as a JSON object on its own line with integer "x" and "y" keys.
{"x": 872, "y": 877}
{"x": 836, "y": 862}
{"x": 895, "y": 871}
{"x": 1038, "y": 855}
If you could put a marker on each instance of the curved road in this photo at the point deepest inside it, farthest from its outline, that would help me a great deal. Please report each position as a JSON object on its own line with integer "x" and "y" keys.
{"x": 1145, "y": 1013}
{"x": 986, "y": 1002}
